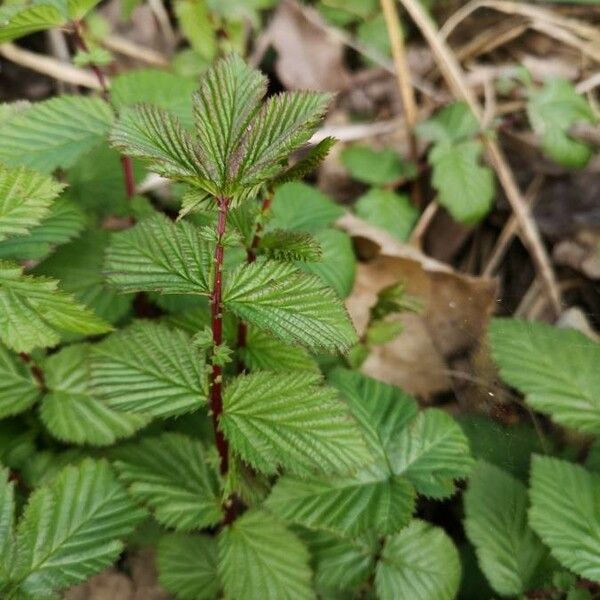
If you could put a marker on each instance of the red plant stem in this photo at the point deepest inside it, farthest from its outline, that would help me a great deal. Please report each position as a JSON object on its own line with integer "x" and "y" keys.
{"x": 216, "y": 306}
{"x": 126, "y": 163}
{"x": 242, "y": 332}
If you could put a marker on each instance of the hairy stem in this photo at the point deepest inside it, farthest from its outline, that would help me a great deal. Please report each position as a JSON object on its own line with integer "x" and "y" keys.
{"x": 242, "y": 332}
{"x": 216, "y": 305}
{"x": 126, "y": 163}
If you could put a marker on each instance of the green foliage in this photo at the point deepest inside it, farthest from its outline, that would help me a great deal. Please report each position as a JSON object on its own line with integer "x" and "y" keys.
{"x": 552, "y": 110}
{"x": 18, "y": 20}
{"x": 465, "y": 188}
{"x": 420, "y": 562}
{"x": 70, "y": 529}
{"x": 508, "y": 551}
{"x": 259, "y": 559}
{"x": 273, "y": 419}
{"x": 555, "y": 368}
{"x": 34, "y": 312}
{"x": 565, "y": 513}
{"x": 375, "y": 167}
{"x": 55, "y": 133}
{"x": 288, "y": 246}
{"x": 18, "y": 388}
{"x": 172, "y": 475}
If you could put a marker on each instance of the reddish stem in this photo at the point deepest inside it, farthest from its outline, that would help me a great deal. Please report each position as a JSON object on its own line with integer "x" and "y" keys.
{"x": 126, "y": 163}
{"x": 216, "y": 305}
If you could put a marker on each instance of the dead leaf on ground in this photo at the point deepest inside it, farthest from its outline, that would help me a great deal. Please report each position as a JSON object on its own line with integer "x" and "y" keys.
{"x": 307, "y": 58}
{"x": 456, "y": 309}
{"x": 581, "y": 253}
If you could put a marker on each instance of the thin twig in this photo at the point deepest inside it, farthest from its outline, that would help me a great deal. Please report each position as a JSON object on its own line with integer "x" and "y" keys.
{"x": 164, "y": 23}
{"x": 49, "y": 66}
{"x": 455, "y": 78}
{"x": 122, "y": 45}
{"x": 416, "y": 236}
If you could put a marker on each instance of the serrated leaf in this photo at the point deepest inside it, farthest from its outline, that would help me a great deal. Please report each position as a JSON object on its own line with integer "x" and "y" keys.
{"x": 375, "y": 499}
{"x": 25, "y": 199}
{"x": 263, "y": 352}
{"x": 259, "y": 559}
{"x": 18, "y": 388}
{"x": 337, "y": 266}
{"x": 294, "y": 306}
{"x": 153, "y": 86}
{"x": 63, "y": 222}
{"x": 420, "y": 563}
{"x": 78, "y": 266}
{"x": 72, "y": 528}
{"x": 72, "y": 413}
{"x": 7, "y": 517}
{"x": 465, "y": 188}
{"x": 187, "y": 566}
{"x": 151, "y": 369}
{"x": 389, "y": 211}
{"x": 565, "y": 513}
{"x": 17, "y": 445}
{"x": 557, "y": 370}
{"x": 432, "y": 453}
{"x": 454, "y": 123}
{"x": 172, "y": 475}
{"x": 307, "y": 164}
{"x": 552, "y": 111}
{"x": 288, "y": 246}
{"x": 273, "y": 419}
{"x": 157, "y": 136}
{"x": 160, "y": 256}
{"x": 508, "y": 551}
{"x": 301, "y": 207}
{"x": 375, "y": 167}
{"x": 55, "y": 133}
{"x": 34, "y": 312}
{"x": 18, "y": 20}
{"x": 341, "y": 563}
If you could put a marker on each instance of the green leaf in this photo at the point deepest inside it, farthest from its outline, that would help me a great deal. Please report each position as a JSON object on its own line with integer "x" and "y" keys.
{"x": 420, "y": 563}
{"x": 157, "y": 136}
{"x": 307, "y": 164}
{"x": 389, "y": 211}
{"x": 337, "y": 266}
{"x": 78, "y": 266}
{"x": 376, "y": 498}
{"x": 555, "y": 368}
{"x": 64, "y": 221}
{"x": 259, "y": 559}
{"x": 25, "y": 199}
{"x": 55, "y": 133}
{"x": 71, "y": 529}
{"x": 287, "y": 246}
{"x": 375, "y": 167}
{"x": 34, "y": 312}
{"x": 18, "y": 388}
{"x": 508, "y": 551}
{"x": 197, "y": 26}
{"x": 187, "y": 566}
{"x": 592, "y": 461}
{"x": 72, "y": 413}
{"x": 7, "y": 517}
{"x": 565, "y": 513}
{"x": 432, "y": 453}
{"x": 160, "y": 88}
{"x": 160, "y": 256}
{"x": 172, "y": 475}
{"x": 341, "y": 563}
{"x": 465, "y": 188}
{"x": 552, "y": 111}
{"x": 79, "y": 8}
{"x": 273, "y": 419}
{"x": 452, "y": 124}
{"x": 151, "y": 369}
{"x": 18, "y": 20}
{"x": 294, "y": 306}
{"x": 263, "y": 352}
{"x": 301, "y": 207}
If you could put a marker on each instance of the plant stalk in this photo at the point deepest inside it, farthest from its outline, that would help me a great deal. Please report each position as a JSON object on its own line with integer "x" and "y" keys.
{"x": 216, "y": 305}
{"x": 126, "y": 163}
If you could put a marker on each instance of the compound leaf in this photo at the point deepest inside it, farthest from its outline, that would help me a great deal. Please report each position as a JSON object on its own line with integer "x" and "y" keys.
{"x": 18, "y": 388}
{"x": 151, "y": 369}
{"x": 172, "y": 475}
{"x": 273, "y": 419}
{"x": 259, "y": 559}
